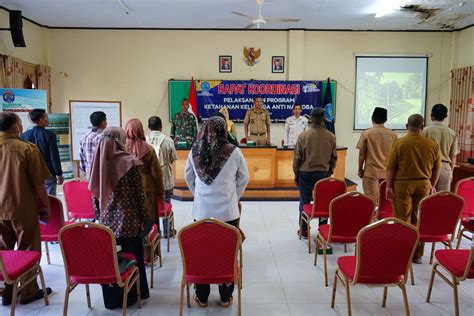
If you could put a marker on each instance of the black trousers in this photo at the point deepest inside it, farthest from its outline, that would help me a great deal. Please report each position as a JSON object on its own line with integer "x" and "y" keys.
{"x": 306, "y": 181}
{"x": 112, "y": 293}
{"x": 225, "y": 290}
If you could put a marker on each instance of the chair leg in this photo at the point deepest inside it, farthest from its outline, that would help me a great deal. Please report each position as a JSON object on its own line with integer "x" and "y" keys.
{"x": 316, "y": 251}
{"x": 14, "y": 297}
{"x": 152, "y": 267}
{"x": 430, "y": 287}
{"x": 187, "y": 295}
{"x": 309, "y": 235}
{"x": 124, "y": 300}
{"x": 88, "y": 296}
{"x": 432, "y": 252}
{"x": 241, "y": 263}
{"x": 181, "y": 299}
{"x": 412, "y": 275}
{"x": 66, "y": 300}
{"x": 348, "y": 297}
{"x": 460, "y": 234}
{"x": 159, "y": 252}
{"x": 43, "y": 285}
{"x": 405, "y": 299}
{"x": 333, "y": 298}
{"x": 239, "y": 290}
{"x": 139, "y": 292}
{"x": 325, "y": 264}
{"x": 456, "y": 298}
{"x": 345, "y": 248}
{"x": 168, "y": 234}
{"x": 47, "y": 252}
{"x": 384, "y": 300}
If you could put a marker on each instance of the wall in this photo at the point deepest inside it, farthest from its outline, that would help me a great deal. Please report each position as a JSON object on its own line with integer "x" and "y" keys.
{"x": 134, "y": 66}
{"x": 464, "y": 48}
{"x": 36, "y": 39}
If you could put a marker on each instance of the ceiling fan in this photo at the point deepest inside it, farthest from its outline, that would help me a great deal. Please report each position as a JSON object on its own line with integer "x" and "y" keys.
{"x": 259, "y": 21}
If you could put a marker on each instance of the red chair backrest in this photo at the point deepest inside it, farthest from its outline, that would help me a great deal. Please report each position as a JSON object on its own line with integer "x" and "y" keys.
{"x": 439, "y": 213}
{"x": 325, "y": 190}
{"x": 384, "y": 205}
{"x": 349, "y": 213}
{"x": 78, "y": 198}
{"x": 209, "y": 248}
{"x": 465, "y": 188}
{"x": 161, "y": 207}
{"x": 56, "y": 218}
{"x": 243, "y": 141}
{"x": 385, "y": 249}
{"x": 89, "y": 250}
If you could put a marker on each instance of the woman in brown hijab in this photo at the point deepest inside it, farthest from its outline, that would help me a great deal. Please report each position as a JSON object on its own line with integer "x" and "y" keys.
{"x": 150, "y": 169}
{"x": 119, "y": 203}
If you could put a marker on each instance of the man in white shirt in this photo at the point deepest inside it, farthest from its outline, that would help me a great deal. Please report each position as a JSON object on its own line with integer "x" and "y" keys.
{"x": 294, "y": 126}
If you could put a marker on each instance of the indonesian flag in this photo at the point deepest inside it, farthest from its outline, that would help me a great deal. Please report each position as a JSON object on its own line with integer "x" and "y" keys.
{"x": 192, "y": 100}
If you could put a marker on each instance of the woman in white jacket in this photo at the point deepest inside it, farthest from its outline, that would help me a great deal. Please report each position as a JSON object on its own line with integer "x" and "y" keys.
{"x": 217, "y": 174}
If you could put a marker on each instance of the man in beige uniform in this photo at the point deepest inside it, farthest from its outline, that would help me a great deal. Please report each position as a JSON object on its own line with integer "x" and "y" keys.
{"x": 448, "y": 145}
{"x": 22, "y": 194}
{"x": 374, "y": 145}
{"x": 257, "y": 120}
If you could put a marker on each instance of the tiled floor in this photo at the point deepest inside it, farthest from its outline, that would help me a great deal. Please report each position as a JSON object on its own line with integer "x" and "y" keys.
{"x": 279, "y": 278}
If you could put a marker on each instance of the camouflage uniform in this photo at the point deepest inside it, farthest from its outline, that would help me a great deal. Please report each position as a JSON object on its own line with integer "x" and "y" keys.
{"x": 184, "y": 128}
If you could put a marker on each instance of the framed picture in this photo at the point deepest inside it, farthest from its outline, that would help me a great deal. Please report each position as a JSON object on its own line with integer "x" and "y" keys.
{"x": 278, "y": 64}
{"x": 225, "y": 63}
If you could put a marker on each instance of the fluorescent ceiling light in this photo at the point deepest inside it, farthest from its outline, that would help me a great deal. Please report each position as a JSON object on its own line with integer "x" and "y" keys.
{"x": 385, "y": 7}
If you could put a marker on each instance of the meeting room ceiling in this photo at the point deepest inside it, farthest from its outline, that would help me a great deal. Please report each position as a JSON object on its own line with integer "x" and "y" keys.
{"x": 216, "y": 14}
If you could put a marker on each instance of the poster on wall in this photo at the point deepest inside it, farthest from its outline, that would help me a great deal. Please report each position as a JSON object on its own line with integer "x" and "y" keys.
{"x": 23, "y": 101}
{"x": 59, "y": 124}
{"x": 238, "y": 95}
{"x": 80, "y": 119}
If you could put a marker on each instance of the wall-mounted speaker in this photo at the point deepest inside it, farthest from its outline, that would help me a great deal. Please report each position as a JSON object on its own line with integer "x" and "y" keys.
{"x": 16, "y": 28}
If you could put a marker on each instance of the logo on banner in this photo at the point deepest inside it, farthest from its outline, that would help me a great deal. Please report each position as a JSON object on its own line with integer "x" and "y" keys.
{"x": 251, "y": 55}
{"x": 205, "y": 87}
{"x": 8, "y": 97}
{"x": 310, "y": 87}
{"x": 329, "y": 113}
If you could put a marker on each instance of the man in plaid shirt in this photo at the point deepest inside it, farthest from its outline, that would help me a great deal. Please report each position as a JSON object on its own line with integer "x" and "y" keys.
{"x": 89, "y": 142}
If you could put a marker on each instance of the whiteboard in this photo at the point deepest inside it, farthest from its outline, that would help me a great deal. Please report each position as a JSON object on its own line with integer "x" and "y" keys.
{"x": 80, "y": 112}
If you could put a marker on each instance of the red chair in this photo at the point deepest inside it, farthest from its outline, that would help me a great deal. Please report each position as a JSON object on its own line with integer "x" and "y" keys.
{"x": 153, "y": 240}
{"x": 384, "y": 206}
{"x": 459, "y": 263}
{"x": 384, "y": 253}
{"x": 348, "y": 214}
{"x": 90, "y": 257}
{"x": 465, "y": 188}
{"x": 78, "y": 200}
{"x": 166, "y": 211}
{"x": 209, "y": 250}
{"x": 20, "y": 267}
{"x": 50, "y": 231}
{"x": 243, "y": 140}
{"x": 325, "y": 190}
{"x": 438, "y": 217}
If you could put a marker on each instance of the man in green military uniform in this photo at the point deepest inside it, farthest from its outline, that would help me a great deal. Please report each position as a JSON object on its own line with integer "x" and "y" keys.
{"x": 257, "y": 121}
{"x": 184, "y": 125}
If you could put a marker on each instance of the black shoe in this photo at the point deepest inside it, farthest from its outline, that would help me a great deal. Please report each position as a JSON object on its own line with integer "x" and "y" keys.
{"x": 38, "y": 296}
{"x": 7, "y": 299}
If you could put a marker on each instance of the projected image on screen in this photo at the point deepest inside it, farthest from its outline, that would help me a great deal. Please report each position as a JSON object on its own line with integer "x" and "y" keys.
{"x": 395, "y": 83}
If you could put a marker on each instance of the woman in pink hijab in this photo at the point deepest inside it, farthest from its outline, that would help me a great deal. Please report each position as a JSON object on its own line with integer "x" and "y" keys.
{"x": 150, "y": 169}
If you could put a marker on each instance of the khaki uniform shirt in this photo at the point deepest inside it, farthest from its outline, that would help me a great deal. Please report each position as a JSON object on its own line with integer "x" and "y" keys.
{"x": 445, "y": 138}
{"x": 315, "y": 151}
{"x": 257, "y": 121}
{"x": 22, "y": 169}
{"x": 375, "y": 143}
{"x": 166, "y": 152}
{"x": 413, "y": 157}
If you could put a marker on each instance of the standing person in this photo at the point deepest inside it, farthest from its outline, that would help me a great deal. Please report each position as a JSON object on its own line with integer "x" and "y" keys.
{"x": 448, "y": 145}
{"x": 89, "y": 142}
{"x": 413, "y": 168}
{"x": 184, "y": 125}
{"x": 47, "y": 145}
{"x": 229, "y": 124}
{"x": 120, "y": 203}
{"x": 257, "y": 121}
{"x": 374, "y": 145}
{"x": 166, "y": 152}
{"x": 22, "y": 194}
{"x": 314, "y": 159}
{"x": 294, "y": 126}
{"x": 150, "y": 169}
{"x": 217, "y": 174}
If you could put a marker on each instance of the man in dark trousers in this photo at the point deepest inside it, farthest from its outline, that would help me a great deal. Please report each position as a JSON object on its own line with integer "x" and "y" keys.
{"x": 314, "y": 159}
{"x": 47, "y": 145}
